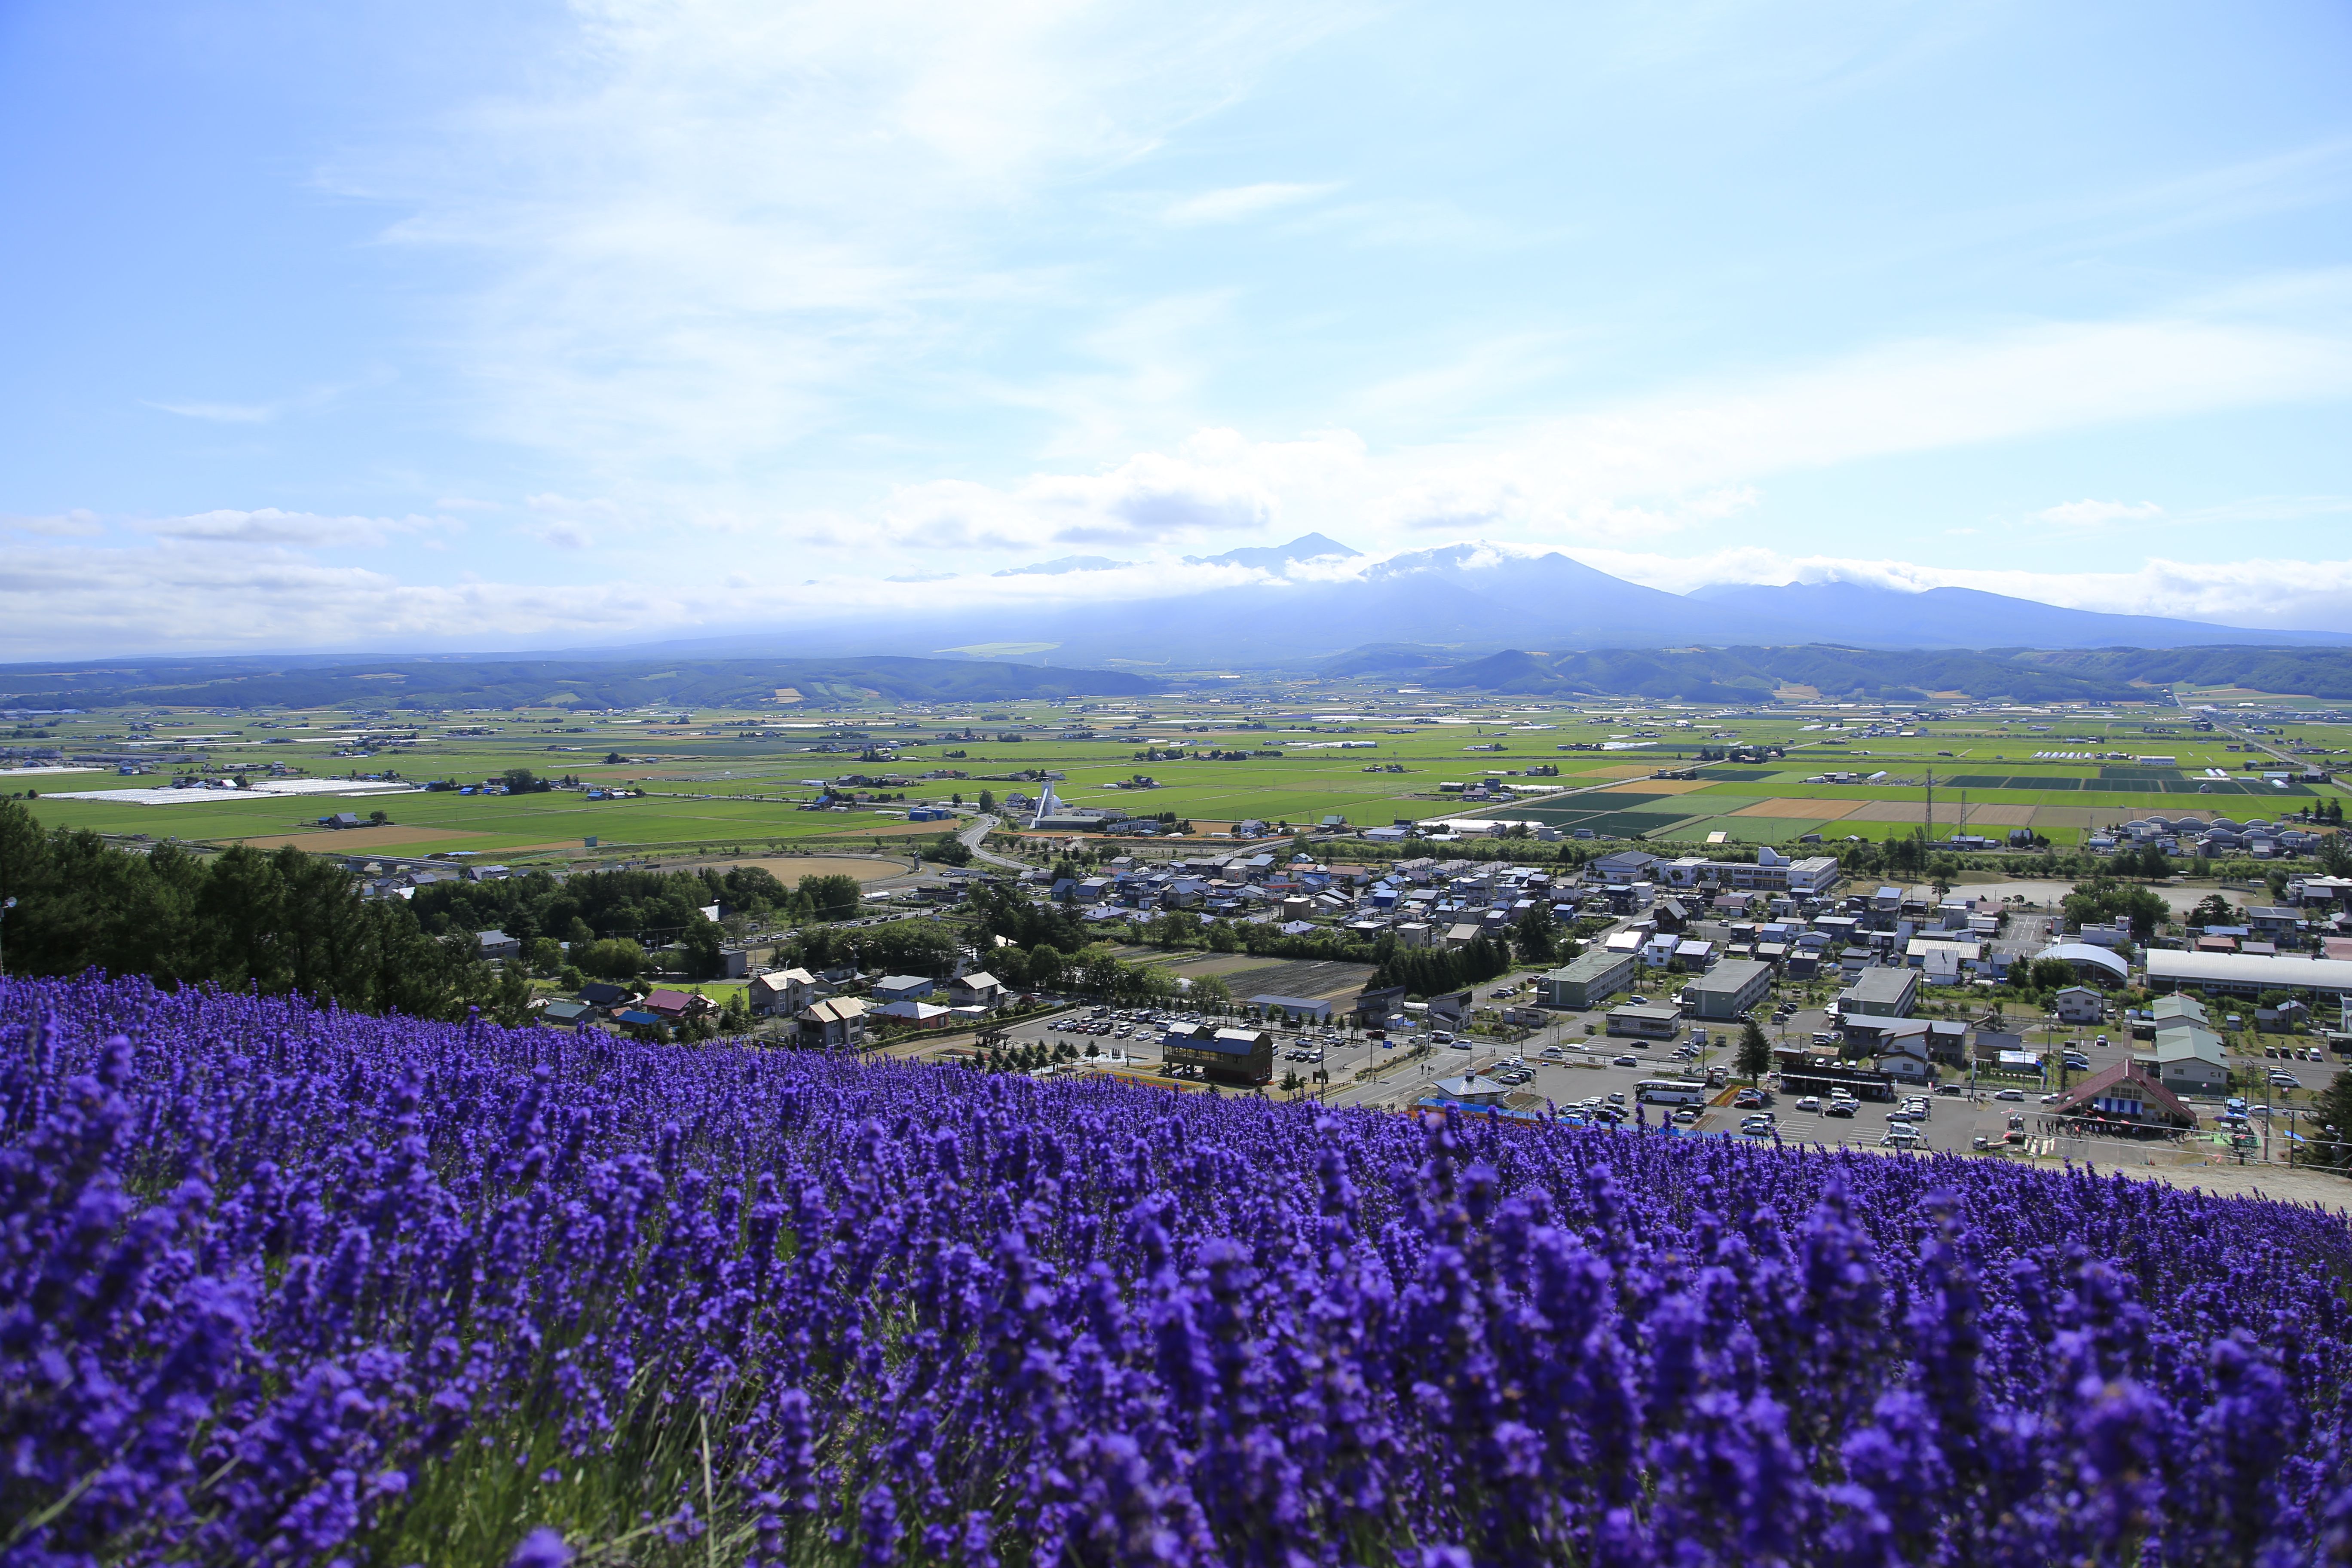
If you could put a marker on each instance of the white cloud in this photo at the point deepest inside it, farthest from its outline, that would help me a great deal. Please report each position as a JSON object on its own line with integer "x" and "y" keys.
{"x": 80, "y": 523}
{"x": 2286, "y": 595}
{"x": 63, "y": 600}
{"x": 220, "y": 412}
{"x": 2094, "y": 513}
{"x": 1682, "y": 456}
{"x": 713, "y": 221}
{"x": 301, "y": 529}
{"x": 1239, "y": 201}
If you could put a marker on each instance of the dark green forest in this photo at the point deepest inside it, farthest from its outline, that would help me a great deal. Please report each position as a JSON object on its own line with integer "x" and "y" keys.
{"x": 1752, "y": 675}
{"x": 275, "y": 921}
{"x": 282, "y": 921}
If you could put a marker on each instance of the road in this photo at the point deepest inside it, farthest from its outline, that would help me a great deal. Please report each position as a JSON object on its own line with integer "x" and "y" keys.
{"x": 970, "y": 837}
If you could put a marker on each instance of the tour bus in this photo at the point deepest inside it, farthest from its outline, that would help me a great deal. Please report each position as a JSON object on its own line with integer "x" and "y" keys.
{"x": 1670, "y": 1091}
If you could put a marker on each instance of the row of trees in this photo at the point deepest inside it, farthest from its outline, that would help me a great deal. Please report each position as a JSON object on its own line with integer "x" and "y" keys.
{"x": 2106, "y": 898}
{"x": 1432, "y": 972}
{"x": 274, "y": 921}
{"x": 612, "y": 918}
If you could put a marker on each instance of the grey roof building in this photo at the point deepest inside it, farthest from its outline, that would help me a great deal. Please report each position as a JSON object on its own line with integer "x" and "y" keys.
{"x": 1730, "y": 989}
{"x": 1586, "y": 980}
{"x": 1882, "y": 993}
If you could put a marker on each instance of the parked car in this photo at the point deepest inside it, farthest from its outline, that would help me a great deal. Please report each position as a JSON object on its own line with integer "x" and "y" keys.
{"x": 1809, "y": 1102}
{"x": 1840, "y": 1108}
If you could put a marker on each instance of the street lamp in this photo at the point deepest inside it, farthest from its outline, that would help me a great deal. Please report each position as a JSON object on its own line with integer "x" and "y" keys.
{"x": 5, "y": 905}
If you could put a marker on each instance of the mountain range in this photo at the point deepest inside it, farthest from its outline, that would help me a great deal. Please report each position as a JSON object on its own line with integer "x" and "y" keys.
{"x": 1470, "y": 599}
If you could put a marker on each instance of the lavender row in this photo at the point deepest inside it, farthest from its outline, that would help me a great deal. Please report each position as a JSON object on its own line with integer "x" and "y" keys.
{"x": 291, "y": 1286}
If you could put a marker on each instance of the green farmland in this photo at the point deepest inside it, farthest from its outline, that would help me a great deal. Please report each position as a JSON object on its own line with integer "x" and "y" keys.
{"x": 725, "y": 778}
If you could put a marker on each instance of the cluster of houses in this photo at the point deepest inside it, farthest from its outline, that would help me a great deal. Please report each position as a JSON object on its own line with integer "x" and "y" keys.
{"x": 1439, "y": 903}
{"x": 831, "y": 1010}
{"x": 2221, "y": 836}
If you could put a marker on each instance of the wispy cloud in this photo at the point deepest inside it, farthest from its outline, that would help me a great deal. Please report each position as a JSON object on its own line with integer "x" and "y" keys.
{"x": 562, "y": 536}
{"x": 710, "y": 224}
{"x": 2097, "y": 513}
{"x": 218, "y": 412}
{"x": 1668, "y": 461}
{"x": 295, "y": 529}
{"x": 1237, "y": 202}
{"x": 77, "y": 524}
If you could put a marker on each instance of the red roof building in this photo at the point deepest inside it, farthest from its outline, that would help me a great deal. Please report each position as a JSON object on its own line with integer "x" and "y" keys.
{"x": 2124, "y": 1095}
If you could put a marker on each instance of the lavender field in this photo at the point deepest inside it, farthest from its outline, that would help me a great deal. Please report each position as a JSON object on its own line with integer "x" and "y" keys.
{"x": 291, "y": 1287}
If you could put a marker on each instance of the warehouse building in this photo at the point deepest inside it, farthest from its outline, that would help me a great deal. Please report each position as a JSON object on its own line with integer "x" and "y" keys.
{"x": 2248, "y": 974}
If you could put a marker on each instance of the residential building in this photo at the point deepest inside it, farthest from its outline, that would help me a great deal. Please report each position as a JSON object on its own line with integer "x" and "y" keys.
{"x": 498, "y": 944}
{"x": 836, "y": 1024}
{"x": 2079, "y": 1005}
{"x": 1882, "y": 993}
{"x": 1870, "y": 1034}
{"x": 1586, "y": 982}
{"x": 903, "y": 987}
{"x": 977, "y": 989}
{"x": 673, "y": 1006}
{"x": 1645, "y": 1022}
{"x": 2190, "y": 1058}
{"x": 1730, "y": 989}
{"x": 781, "y": 992}
{"x": 1232, "y": 1056}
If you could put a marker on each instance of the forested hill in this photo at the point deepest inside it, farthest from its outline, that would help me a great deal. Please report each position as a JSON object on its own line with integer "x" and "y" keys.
{"x": 1759, "y": 674}
{"x": 574, "y": 682}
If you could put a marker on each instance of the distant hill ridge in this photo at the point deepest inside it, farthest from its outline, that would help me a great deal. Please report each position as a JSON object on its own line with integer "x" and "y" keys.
{"x": 1732, "y": 676}
{"x": 1470, "y": 593}
{"x": 534, "y": 682}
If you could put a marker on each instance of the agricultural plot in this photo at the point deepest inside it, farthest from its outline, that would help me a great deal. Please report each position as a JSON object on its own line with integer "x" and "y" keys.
{"x": 716, "y": 778}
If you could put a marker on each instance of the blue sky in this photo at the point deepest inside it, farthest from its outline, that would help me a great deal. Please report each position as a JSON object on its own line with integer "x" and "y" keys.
{"x": 519, "y": 325}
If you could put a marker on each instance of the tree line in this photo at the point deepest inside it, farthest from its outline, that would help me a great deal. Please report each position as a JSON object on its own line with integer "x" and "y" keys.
{"x": 282, "y": 921}
{"x": 270, "y": 920}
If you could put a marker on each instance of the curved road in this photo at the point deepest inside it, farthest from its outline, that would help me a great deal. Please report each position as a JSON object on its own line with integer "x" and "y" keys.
{"x": 970, "y": 837}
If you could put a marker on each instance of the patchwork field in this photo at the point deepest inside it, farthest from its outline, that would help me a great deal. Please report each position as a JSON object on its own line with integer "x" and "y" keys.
{"x": 730, "y": 783}
{"x": 1819, "y": 810}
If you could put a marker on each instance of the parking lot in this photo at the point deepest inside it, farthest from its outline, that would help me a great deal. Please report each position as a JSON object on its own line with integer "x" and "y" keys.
{"x": 1563, "y": 1064}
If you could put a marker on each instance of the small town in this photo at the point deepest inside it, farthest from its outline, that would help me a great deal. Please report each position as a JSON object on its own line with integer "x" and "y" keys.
{"x": 1354, "y": 785}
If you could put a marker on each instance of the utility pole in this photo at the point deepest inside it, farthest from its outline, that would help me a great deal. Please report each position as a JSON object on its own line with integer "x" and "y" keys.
{"x": 1931, "y": 805}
